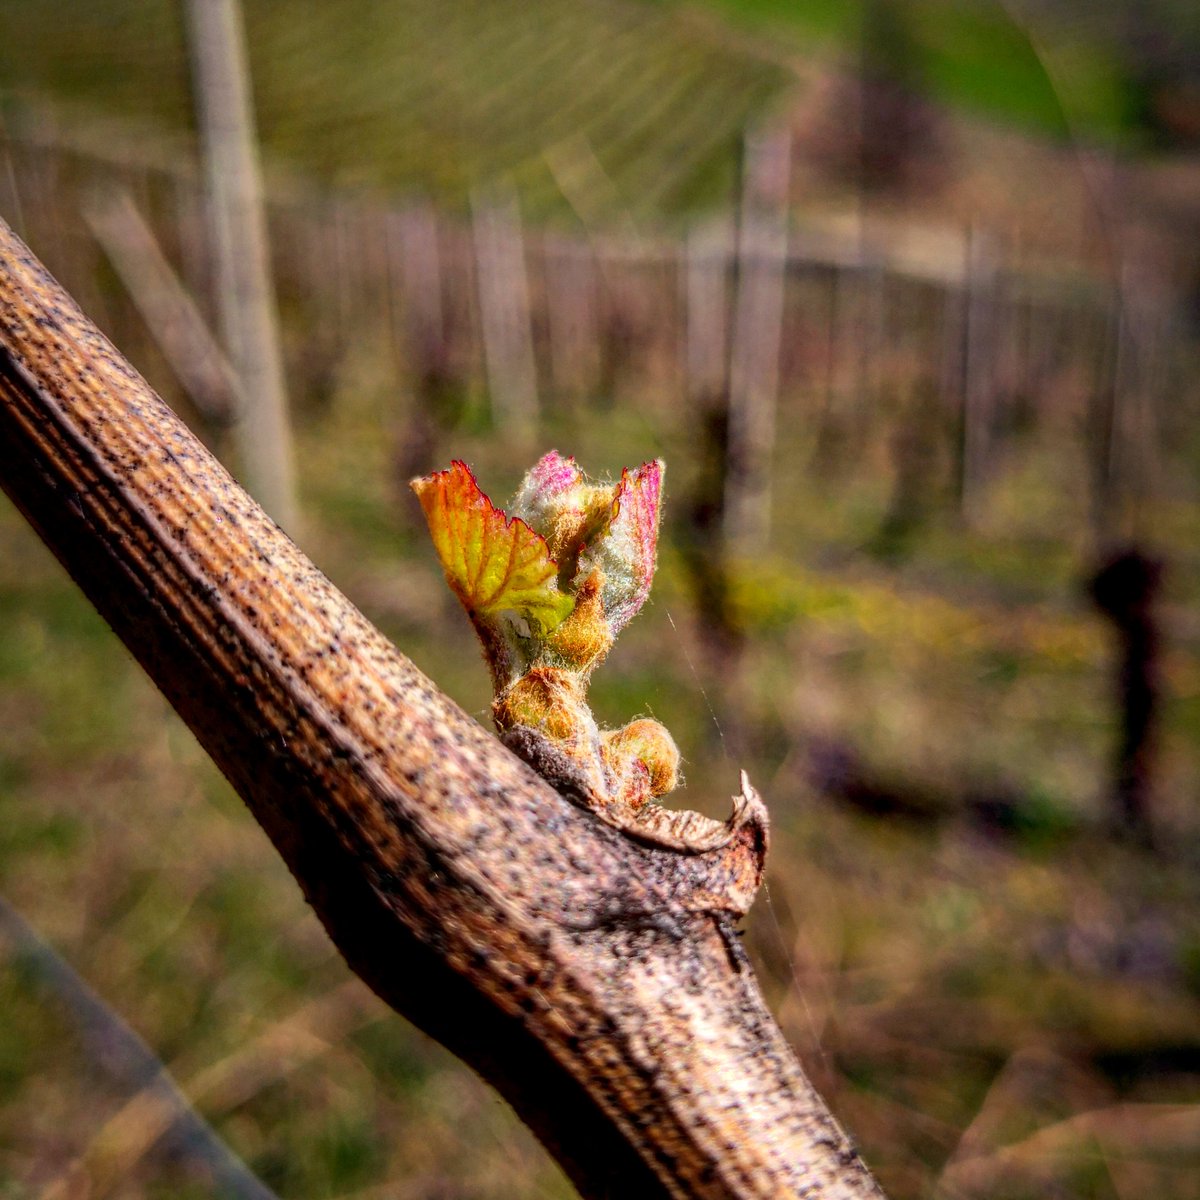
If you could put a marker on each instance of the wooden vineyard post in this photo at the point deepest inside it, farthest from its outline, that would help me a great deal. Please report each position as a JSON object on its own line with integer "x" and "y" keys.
{"x": 504, "y": 311}
{"x": 415, "y": 280}
{"x": 245, "y": 295}
{"x": 570, "y": 299}
{"x": 757, "y": 327}
{"x": 10, "y": 193}
{"x": 1125, "y": 587}
{"x": 420, "y": 335}
{"x": 977, "y": 395}
{"x": 705, "y": 288}
{"x": 1126, "y": 467}
{"x": 590, "y": 975}
{"x": 830, "y": 436}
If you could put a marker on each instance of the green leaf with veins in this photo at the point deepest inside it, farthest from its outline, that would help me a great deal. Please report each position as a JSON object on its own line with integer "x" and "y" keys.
{"x": 493, "y": 564}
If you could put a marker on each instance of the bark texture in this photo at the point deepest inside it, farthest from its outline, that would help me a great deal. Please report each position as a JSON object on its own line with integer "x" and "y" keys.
{"x": 592, "y": 975}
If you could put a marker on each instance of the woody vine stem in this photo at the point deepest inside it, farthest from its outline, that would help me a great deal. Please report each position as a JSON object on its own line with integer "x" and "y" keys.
{"x": 548, "y": 585}
{"x": 572, "y": 946}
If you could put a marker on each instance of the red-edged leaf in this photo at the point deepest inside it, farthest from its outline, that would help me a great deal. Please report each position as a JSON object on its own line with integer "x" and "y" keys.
{"x": 627, "y": 550}
{"x": 492, "y": 563}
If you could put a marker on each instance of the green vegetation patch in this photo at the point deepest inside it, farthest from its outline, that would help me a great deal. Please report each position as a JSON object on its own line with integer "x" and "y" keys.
{"x": 627, "y": 110}
{"x": 977, "y": 56}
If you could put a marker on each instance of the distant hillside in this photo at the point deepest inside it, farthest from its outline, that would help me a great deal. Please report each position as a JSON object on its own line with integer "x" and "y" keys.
{"x": 1050, "y": 66}
{"x": 592, "y": 104}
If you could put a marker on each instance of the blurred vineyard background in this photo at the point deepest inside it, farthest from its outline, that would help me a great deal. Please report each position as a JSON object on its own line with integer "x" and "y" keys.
{"x": 908, "y": 297}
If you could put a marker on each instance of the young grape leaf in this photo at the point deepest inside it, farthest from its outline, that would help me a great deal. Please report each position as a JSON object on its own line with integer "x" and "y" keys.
{"x": 492, "y": 564}
{"x": 627, "y": 551}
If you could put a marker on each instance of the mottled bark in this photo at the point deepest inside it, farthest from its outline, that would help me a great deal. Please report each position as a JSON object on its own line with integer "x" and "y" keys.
{"x": 593, "y": 976}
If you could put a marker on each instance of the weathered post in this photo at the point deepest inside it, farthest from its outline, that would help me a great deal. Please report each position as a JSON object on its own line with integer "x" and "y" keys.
{"x": 245, "y": 295}
{"x": 504, "y": 311}
{"x": 757, "y": 327}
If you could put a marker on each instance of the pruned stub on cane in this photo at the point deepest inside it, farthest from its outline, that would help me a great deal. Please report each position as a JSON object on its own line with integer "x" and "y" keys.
{"x": 548, "y": 584}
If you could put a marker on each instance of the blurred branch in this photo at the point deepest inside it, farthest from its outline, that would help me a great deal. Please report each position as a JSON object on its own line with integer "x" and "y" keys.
{"x": 129, "y": 1134}
{"x": 164, "y": 304}
{"x": 132, "y": 1064}
{"x": 1127, "y": 1131}
{"x": 594, "y": 977}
